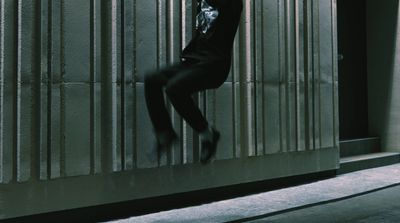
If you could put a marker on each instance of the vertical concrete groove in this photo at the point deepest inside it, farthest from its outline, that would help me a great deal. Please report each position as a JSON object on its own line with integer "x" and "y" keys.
{"x": 39, "y": 68}
{"x": 49, "y": 86}
{"x": 319, "y": 76}
{"x": 62, "y": 92}
{"x": 92, "y": 87}
{"x": 160, "y": 46}
{"x": 235, "y": 94}
{"x": 287, "y": 74}
{"x": 107, "y": 77}
{"x": 250, "y": 142}
{"x": 316, "y": 75}
{"x": 297, "y": 73}
{"x": 281, "y": 56}
{"x": 17, "y": 96}
{"x": 122, "y": 94}
{"x": 335, "y": 94}
{"x": 263, "y": 81}
{"x": 257, "y": 76}
{"x": 312, "y": 70}
{"x": 306, "y": 74}
{"x": 114, "y": 73}
{"x": 184, "y": 153}
{"x": 168, "y": 56}
{"x": 2, "y": 55}
{"x": 134, "y": 91}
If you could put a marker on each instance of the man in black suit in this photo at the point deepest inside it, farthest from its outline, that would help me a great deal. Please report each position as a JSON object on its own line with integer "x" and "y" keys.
{"x": 205, "y": 64}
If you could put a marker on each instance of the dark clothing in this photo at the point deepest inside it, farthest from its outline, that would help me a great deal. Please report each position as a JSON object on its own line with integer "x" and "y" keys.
{"x": 217, "y": 42}
{"x": 181, "y": 81}
{"x": 205, "y": 65}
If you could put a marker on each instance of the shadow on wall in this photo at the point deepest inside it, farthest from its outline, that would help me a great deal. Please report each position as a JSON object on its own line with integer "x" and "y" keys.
{"x": 383, "y": 56}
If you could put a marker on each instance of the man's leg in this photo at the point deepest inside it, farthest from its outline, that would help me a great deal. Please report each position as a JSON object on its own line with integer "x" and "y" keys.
{"x": 180, "y": 88}
{"x": 155, "y": 102}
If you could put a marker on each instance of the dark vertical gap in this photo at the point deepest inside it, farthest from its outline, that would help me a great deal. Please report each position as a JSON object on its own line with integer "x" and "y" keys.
{"x": 319, "y": 76}
{"x": 254, "y": 41}
{"x": 106, "y": 88}
{"x": 49, "y": 85}
{"x": 36, "y": 90}
{"x": 287, "y": 77}
{"x": 15, "y": 97}
{"x": 168, "y": 58}
{"x": 263, "y": 81}
{"x": 312, "y": 74}
{"x": 180, "y": 47}
{"x": 62, "y": 92}
{"x": 134, "y": 119}
{"x": 233, "y": 73}
{"x": 296, "y": 71}
{"x": 279, "y": 21}
{"x": 306, "y": 74}
{"x": 2, "y": 28}
{"x": 158, "y": 59}
{"x": 123, "y": 141}
{"x": 242, "y": 80}
{"x": 92, "y": 89}
{"x": 352, "y": 69}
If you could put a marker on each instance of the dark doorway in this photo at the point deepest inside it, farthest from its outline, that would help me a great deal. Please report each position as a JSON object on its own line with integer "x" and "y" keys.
{"x": 352, "y": 47}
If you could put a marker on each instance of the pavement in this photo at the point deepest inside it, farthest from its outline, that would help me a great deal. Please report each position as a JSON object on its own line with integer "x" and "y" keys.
{"x": 365, "y": 196}
{"x": 381, "y": 206}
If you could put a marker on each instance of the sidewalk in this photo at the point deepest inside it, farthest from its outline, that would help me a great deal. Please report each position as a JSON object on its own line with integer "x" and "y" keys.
{"x": 322, "y": 201}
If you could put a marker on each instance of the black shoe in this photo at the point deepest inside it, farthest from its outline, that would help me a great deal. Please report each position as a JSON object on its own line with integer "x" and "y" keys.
{"x": 209, "y": 148}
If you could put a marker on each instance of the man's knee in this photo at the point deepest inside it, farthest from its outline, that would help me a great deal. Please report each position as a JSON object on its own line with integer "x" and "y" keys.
{"x": 154, "y": 78}
{"x": 176, "y": 90}
{"x": 173, "y": 90}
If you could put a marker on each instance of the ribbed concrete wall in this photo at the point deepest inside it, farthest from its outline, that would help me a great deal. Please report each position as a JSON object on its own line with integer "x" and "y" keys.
{"x": 74, "y": 129}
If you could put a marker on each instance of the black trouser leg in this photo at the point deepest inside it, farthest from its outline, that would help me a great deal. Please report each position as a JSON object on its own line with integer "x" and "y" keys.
{"x": 181, "y": 81}
{"x": 155, "y": 102}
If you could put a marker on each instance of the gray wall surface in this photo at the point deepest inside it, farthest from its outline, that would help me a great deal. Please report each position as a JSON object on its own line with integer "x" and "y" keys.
{"x": 383, "y": 38}
{"x": 74, "y": 129}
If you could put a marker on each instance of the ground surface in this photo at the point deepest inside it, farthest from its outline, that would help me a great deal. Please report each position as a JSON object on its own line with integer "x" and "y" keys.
{"x": 365, "y": 196}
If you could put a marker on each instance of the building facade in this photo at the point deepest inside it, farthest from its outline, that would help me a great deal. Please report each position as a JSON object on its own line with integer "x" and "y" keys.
{"x": 74, "y": 130}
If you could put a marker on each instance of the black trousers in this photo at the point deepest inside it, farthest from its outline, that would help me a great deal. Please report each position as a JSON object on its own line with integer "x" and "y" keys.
{"x": 180, "y": 82}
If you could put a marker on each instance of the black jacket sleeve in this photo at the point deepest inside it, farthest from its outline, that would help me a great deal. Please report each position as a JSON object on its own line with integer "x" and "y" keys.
{"x": 217, "y": 3}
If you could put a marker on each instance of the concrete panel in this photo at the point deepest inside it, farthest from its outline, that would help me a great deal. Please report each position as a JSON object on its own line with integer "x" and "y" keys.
{"x": 146, "y": 155}
{"x": 75, "y": 46}
{"x": 237, "y": 121}
{"x": 146, "y": 37}
{"x": 26, "y": 153}
{"x": 271, "y": 42}
{"x": 259, "y": 118}
{"x": 316, "y": 54}
{"x": 55, "y": 57}
{"x": 26, "y": 41}
{"x": 272, "y": 116}
{"x": 55, "y": 129}
{"x": 8, "y": 40}
{"x": 327, "y": 76}
{"x": 223, "y": 120}
{"x": 8, "y": 131}
{"x": 129, "y": 127}
{"x": 129, "y": 30}
{"x": 76, "y": 128}
{"x": 291, "y": 117}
